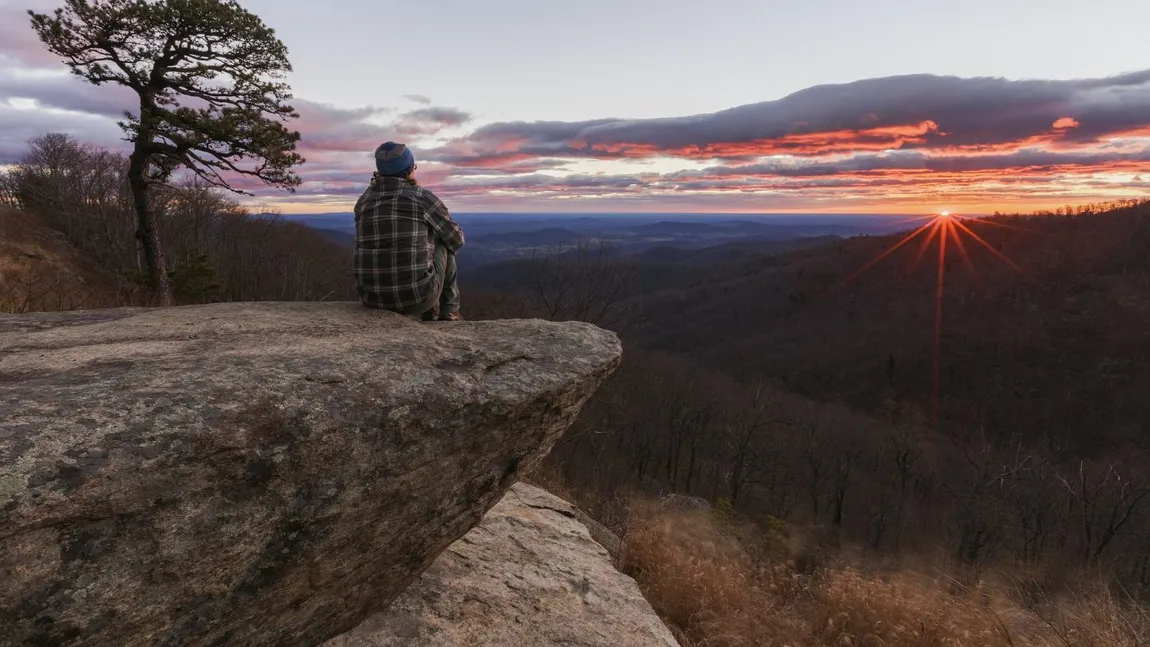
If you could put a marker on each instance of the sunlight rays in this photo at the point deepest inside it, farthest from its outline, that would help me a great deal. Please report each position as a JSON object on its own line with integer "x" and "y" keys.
{"x": 1002, "y": 225}
{"x": 962, "y": 249}
{"x": 936, "y": 225}
{"x": 909, "y": 237}
{"x": 946, "y": 229}
{"x": 907, "y": 221}
{"x": 978, "y": 239}
{"x": 945, "y": 225}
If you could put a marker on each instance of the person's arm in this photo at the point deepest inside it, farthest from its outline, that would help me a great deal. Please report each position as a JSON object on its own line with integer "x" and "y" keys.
{"x": 444, "y": 227}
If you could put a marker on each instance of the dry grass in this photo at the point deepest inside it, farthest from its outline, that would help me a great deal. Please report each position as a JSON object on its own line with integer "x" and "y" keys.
{"x": 39, "y": 271}
{"x": 707, "y": 579}
{"x": 607, "y": 509}
{"x": 1095, "y": 616}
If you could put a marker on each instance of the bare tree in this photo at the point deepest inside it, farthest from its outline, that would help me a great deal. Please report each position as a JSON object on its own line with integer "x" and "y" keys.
{"x": 1040, "y": 511}
{"x": 223, "y": 62}
{"x": 812, "y": 438}
{"x": 979, "y": 493}
{"x": 1106, "y": 503}
{"x": 586, "y": 282}
{"x": 748, "y": 454}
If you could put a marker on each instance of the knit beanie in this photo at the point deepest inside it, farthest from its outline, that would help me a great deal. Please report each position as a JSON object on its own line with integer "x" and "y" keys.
{"x": 394, "y": 160}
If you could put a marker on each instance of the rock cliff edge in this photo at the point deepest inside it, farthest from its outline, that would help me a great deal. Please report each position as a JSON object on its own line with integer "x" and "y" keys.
{"x": 528, "y": 575}
{"x": 258, "y": 473}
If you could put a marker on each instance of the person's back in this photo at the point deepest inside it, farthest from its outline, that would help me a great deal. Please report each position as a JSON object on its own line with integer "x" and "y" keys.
{"x": 405, "y": 242}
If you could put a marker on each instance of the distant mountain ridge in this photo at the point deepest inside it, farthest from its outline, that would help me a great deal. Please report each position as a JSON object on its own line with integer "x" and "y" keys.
{"x": 346, "y": 238}
{"x": 492, "y": 238}
{"x": 546, "y": 236}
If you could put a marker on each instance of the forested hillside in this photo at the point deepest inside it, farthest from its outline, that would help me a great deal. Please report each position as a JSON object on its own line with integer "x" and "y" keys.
{"x": 1041, "y": 332}
{"x": 216, "y": 250}
{"x": 795, "y": 386}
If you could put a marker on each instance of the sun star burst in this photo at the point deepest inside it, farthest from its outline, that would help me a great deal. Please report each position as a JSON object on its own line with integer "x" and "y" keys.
{"x": 946, "y": 228}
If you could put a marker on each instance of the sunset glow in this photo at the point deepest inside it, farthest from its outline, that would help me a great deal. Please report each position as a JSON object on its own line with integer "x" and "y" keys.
{"x": 887, "y": 142}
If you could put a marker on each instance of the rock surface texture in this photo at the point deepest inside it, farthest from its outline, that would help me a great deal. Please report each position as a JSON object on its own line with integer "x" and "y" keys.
{"x": 528, "y": 575}
{"x": 258, "y": 473}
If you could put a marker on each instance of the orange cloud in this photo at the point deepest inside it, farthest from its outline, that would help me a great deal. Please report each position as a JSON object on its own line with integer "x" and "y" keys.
{"x": 805, "y": 144}
{"x": 1066, "y": 122}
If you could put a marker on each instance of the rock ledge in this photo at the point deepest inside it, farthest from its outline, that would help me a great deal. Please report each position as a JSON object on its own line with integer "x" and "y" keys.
{"x": 258, "y": 473}
{"x": 528, "y": 575}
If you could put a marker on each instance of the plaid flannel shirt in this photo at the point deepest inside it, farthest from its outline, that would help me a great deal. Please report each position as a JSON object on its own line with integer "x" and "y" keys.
{"x": 397, "y": 224}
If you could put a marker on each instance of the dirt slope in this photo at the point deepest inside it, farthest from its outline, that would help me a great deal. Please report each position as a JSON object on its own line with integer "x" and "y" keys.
{"x": 39, "y": 270}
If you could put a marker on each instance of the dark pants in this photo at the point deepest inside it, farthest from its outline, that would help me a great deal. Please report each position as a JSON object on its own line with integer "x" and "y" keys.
{"x": 444, "y": 297}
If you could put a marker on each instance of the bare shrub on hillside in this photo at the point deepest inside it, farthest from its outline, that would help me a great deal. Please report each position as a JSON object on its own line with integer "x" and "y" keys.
{"x": 79, "y": 191}
{"x": 696, "y": 569}
{"x": 40, "y": 271}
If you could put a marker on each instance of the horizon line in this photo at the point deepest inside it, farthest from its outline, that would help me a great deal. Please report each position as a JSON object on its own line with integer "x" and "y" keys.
{"x": 650, "y": 213}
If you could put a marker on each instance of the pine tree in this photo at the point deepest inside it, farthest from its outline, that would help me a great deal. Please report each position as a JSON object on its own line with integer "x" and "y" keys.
{"x": 208, "y": 75}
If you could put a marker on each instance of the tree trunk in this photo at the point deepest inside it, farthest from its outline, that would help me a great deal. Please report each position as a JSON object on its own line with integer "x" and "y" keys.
{"x": 736, "y": 480}
{"x": 840, "y": 504}
{"x": 146, "y": 231}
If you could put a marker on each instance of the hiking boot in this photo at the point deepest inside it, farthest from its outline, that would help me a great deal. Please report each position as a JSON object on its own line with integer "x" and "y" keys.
{"x": 451, "y": 316}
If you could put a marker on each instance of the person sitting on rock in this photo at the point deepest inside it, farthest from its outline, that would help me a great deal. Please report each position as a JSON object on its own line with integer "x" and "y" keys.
{"x": 405, "y": 242}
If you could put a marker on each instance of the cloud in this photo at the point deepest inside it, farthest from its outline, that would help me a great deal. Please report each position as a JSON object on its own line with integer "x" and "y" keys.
{"x": 519, "y": 167}
{"x": 324, "y": 127}
{"x": 64, "y": 91}
{"x": 913, "y": 112}
{"x": 1021, "y": 160}
{"x": 428, "y": 121}
{"x": 893, "y": 141}
{"x": 23, "y": 124}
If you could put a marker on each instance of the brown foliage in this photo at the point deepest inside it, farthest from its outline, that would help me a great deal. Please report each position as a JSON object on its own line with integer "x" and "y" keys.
{"x": 699, "y": 572}
{"x": 39, "y": 271}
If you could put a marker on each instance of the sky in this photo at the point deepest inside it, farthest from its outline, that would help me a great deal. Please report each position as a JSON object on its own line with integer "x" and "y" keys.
{"x": 675, "y": 106}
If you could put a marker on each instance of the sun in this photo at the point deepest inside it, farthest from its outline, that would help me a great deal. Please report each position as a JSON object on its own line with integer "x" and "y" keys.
{"x": 943, "y": 229}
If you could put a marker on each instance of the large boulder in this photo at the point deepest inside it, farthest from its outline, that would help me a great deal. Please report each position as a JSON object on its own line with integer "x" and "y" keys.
{"x": 528, "y": 575}
{"x": 258, "y": 473}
